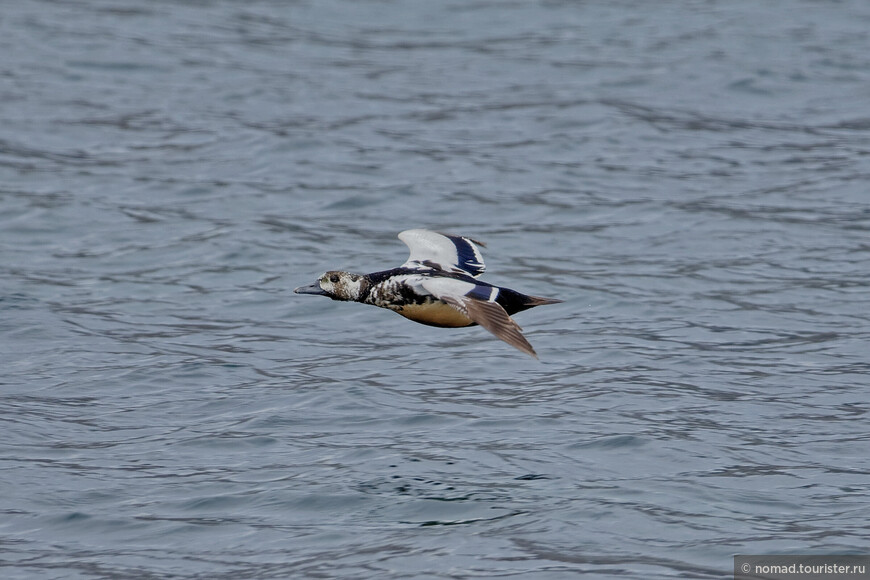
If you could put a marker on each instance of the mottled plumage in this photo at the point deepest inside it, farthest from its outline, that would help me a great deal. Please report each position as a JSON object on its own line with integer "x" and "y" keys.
{"x": 437, "y": 286}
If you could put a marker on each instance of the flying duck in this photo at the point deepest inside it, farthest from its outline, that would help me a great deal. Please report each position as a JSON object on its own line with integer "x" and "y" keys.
{"x": 436, "y": 286}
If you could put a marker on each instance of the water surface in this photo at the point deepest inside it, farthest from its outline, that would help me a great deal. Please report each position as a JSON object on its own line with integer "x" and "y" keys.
{"x": 691, "y": 178}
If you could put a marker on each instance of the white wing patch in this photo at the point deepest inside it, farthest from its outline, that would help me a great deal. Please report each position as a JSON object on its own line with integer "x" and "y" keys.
{"x": 470, "y": 299}
{"x": 442, "y": 252}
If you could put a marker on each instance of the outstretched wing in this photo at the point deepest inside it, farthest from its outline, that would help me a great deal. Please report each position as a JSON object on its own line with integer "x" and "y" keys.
{"x": 478, "y": 303}
{"x": 442, "y": 252}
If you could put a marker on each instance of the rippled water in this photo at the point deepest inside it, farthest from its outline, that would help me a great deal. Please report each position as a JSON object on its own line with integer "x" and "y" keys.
{"x": 690, "y": 177}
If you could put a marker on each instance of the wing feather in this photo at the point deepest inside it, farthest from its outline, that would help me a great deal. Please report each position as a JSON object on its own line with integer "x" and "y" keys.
{"x": 443, "y": 252}
{"x": 487, "y": 313}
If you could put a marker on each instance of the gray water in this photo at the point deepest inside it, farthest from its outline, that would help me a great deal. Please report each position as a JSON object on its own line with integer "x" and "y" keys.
{"x": 690, "y": 177}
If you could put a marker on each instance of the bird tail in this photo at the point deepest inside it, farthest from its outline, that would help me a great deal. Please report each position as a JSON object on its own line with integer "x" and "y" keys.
{"x": 540, "y": 301}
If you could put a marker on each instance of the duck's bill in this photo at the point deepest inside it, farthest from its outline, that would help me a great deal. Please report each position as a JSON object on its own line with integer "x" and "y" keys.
{"x": 310, "y": 289}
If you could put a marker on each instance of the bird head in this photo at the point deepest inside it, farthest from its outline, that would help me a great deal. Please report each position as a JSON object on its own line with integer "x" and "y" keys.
{"x": 337, "y": 285}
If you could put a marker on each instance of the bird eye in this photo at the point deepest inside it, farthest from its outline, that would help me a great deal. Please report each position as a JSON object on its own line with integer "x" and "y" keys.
{"x": 334, "y": 278}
